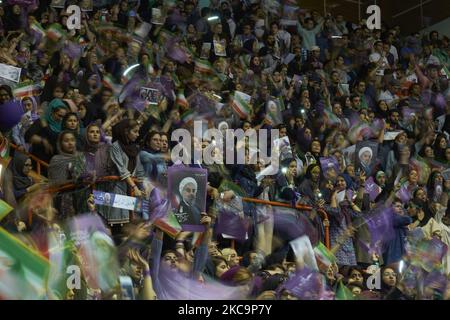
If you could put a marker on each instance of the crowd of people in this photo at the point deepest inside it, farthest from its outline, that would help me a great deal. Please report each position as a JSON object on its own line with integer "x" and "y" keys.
{"x": 357, "y": 210}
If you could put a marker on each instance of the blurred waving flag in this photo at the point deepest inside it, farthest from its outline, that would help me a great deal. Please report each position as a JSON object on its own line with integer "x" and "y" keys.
{"x": 23, "y": 271}
{"x": 241, "y": 104}
{"x": 27, "y": 89}
{"x": 169, "y": 224}
{"x": 5, "y": 209}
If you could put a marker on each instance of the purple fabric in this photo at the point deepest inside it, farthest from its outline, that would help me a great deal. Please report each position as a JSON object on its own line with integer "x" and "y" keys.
{"x": 175, "y": 285}
{"x": 372, "y": 188}
{"x": 230, "y": 223}
{"x": 380, "y": 225}
{"x": 293, "y": 224}
{"x": 307, "y": 284}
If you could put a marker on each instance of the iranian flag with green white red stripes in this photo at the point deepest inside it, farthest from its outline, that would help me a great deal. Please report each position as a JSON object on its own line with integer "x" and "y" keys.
{"x": 203, "y": 66}
{"x": 181, "y": 100}
{"x": 27, "y": 89}
{"x": 55, "y": 32}
{"x": 188, "y": 116}
{"x": 241, "y": 104}
{"x": 36, "y": 27}
{"x": 169, "y": 224}
{"x": 110, "y": 83}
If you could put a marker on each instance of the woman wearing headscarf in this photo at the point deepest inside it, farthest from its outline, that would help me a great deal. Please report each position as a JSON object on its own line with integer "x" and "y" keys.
{"x": 29, "y": 105}
{"x": 124, "y": 154}
{"x": 66, "y": 167}
{"x": 43, "y": 134}
{"x": 341, "y": 213}
{"x": 440, "y": 146}
{"x": 151, "y": 157}
{"x": 22, "y": 182}
{"x": 96, "y": 152}
{"x": 286, "y": 189}
{"x": 71, "y": 122}
{"x": 310, "y": 186}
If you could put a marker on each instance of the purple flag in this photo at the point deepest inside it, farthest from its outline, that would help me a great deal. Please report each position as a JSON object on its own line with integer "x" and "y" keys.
{"x": 403, "y": 194}
{"x": 292, "y": 224}
{"x": 232, "y": 224}
{"x": 372, "y": 189}
{"x": 175, "y": 285}
{"x": 307, "y": 284}
{"x": 380, "y": 225}
{"x": 73, "y": 50}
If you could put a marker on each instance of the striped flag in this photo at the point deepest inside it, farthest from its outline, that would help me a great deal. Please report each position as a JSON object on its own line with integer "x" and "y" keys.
{"x": 241, "y": 104}
{"x": 181, "y": 100}
{"x": 169, "y": 225}
{"x": 203, "y": 66}
{"x": 23, "y": 272}
{"x": 27, "y": 89}
{"x": 55, "y": 32}
{"x": 330, "y": 118}
{"x": 445, "y": 72}
{"x": 324, "y": 255}
{"x": 36, "y": 27}
{"x": 188, "y": 116}
{"x": 109, "y": 82}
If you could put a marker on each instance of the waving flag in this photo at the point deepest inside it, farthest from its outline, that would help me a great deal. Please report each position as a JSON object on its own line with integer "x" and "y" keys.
{"x": 343, "y": 293}
{"x": 241, "y": 104}
{"x": 27, "y": 89}
{"x": 380, "y": 225}
{"x": 37, "y": 28}
{"x": 423, "y": 170}
{"x": 324, "y": 255}
{"x": 55, "y": 32}
{"x": 4, "y": 209}
{"x": 23, "y": 272}
{"x": 203, "y": 66}
{"x": 169, "y": 225}
{"x": 181, "y": 100}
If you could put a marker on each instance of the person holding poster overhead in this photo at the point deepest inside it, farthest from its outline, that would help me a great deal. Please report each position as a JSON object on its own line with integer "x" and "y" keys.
{"x": 219, "y": 41}
{"x": 188, "y": 211}
{"x": 189, "y": 198}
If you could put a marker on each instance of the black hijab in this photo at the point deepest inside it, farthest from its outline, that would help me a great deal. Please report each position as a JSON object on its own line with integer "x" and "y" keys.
{"x": 20, "y": 180}
{"x": 120, "y": 134}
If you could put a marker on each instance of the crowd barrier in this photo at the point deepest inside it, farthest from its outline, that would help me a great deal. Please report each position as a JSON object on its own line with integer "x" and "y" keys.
{"x": 71, "y": 186}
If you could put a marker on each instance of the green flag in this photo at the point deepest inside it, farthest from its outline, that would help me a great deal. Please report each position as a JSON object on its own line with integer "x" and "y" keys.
{"x": 343, "y": 293}
{"x": 4, "y": 209}
{"x": 23, "y": 271}
{"x": 323, "y": 254}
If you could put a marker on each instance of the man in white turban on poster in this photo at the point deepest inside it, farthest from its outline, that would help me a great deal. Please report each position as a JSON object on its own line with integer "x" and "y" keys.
{"x": 365, "y": 155}
{"x": 188, "y": 212}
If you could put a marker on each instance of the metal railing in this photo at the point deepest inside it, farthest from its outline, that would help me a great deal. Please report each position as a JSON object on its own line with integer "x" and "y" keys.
{"x": 38, "y": 161}
{"x": 70, "y": 186}
{"x": 302, "y": 207}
